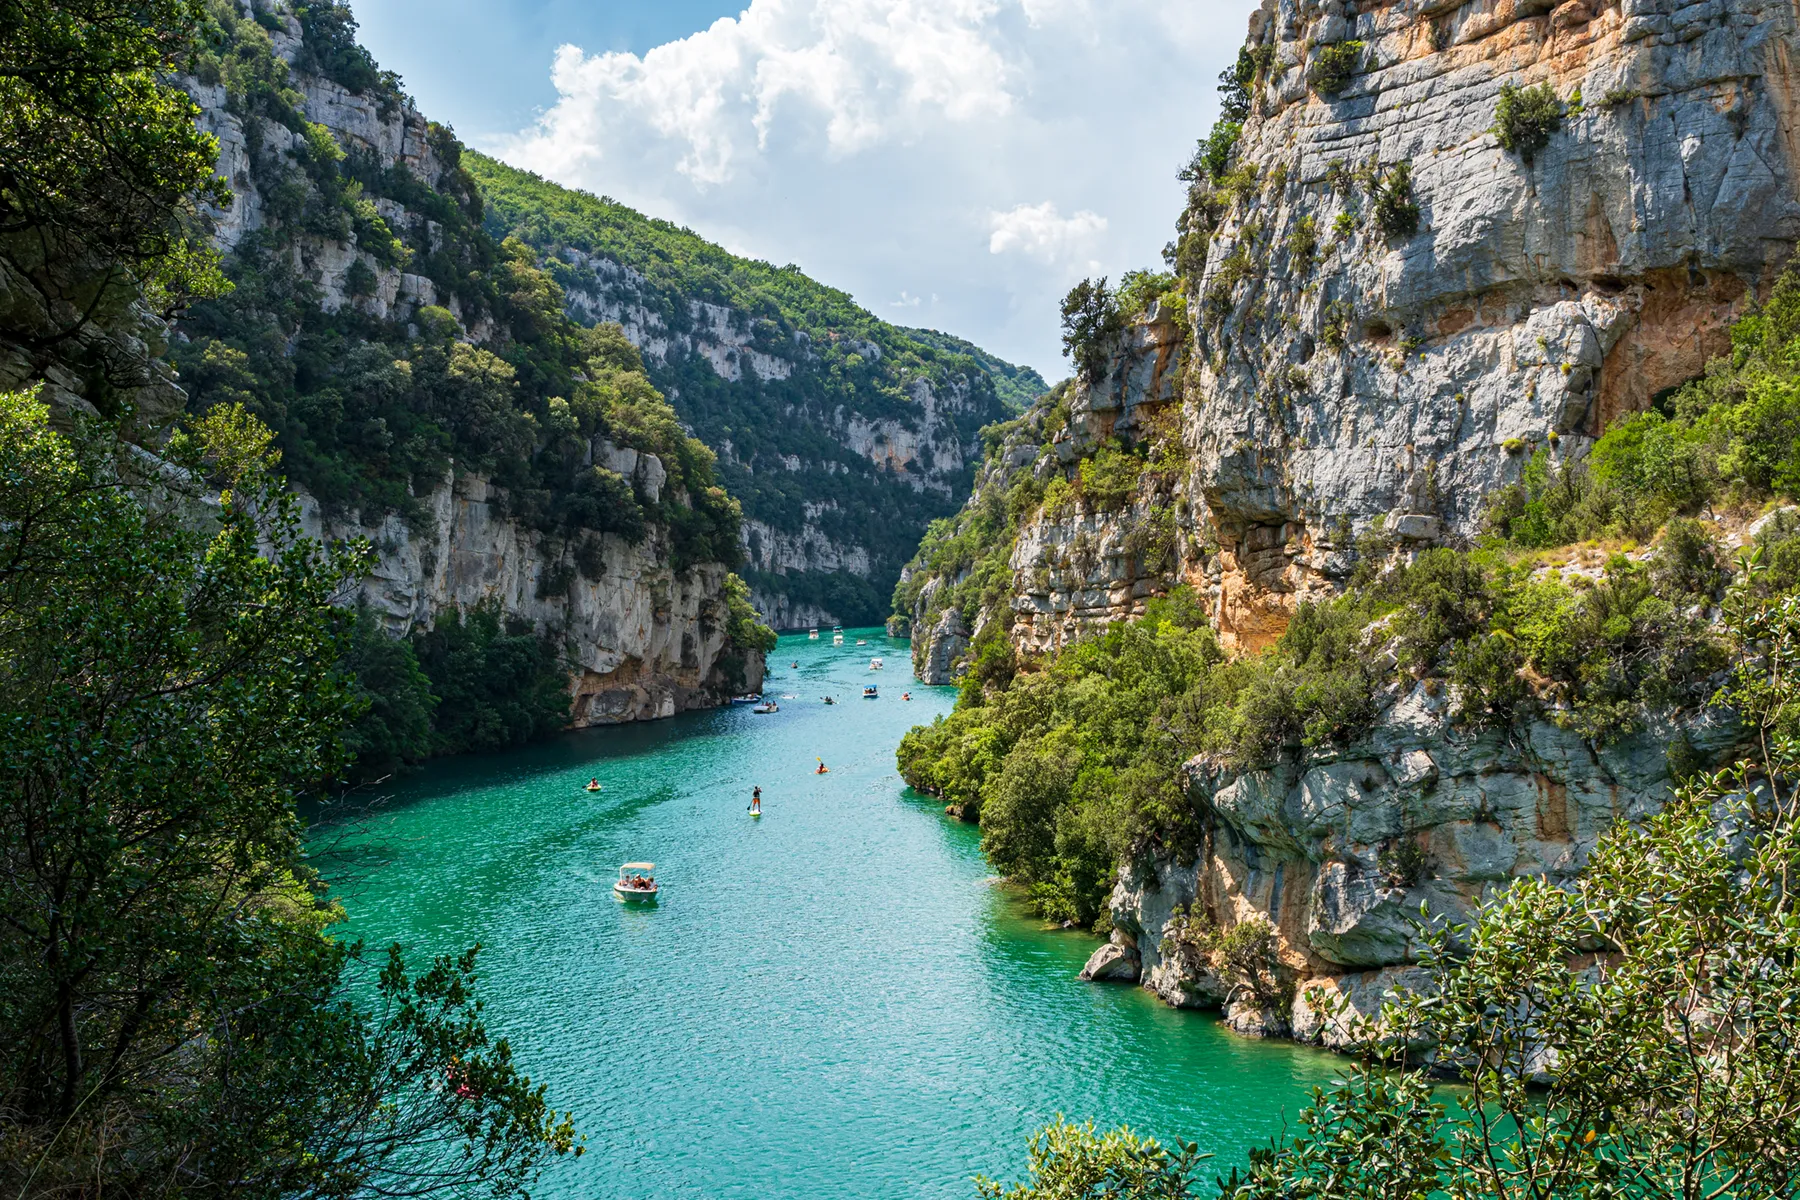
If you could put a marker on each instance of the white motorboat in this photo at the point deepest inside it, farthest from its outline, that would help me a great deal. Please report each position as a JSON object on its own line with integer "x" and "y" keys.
{"x": 636, "y": 881}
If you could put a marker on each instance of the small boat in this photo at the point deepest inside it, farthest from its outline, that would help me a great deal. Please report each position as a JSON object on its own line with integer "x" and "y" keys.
{"x": 828, "y": 700}
{"x": 861, "y": 642}
{"x": 594, "y": 787}
{"x": 869, "y": 693}
{"x": 812, "y": 635}
{"x": 770, "y": 707}
{"x": 875, "y": 664}
{"x": 636, "y": 882}
{"x": 748, "y": 698}
{"x": 837, "y": 639}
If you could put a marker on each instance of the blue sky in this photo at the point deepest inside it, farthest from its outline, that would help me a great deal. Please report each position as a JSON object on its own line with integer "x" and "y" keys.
{"x": 950, "y": 163}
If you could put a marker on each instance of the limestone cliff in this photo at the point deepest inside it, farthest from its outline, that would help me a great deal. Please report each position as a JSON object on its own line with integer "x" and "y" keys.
{"x": 1388, "y": 315}
{"x": 643, "y": 640}
{"x": 1340, "y": 851}
{"x": 1347, "y": 372}
{"x": 351, "y": 219}
{"x": 1070, "y": 565}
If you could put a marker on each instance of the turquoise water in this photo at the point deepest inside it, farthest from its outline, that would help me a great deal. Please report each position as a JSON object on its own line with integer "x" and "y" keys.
{"x": 836, "y": 999}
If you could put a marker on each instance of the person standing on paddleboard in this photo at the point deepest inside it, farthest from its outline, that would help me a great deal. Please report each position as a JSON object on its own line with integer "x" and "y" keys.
{"x": 756, "y": 801}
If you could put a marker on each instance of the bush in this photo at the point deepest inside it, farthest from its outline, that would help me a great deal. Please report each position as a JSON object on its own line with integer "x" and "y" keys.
{"x": 499, "y": 685}
{"x": 1524, "y": 118}
{"x": 1395, "y": 210}
{"x": 1110, "y": 478}
{"x": 1333, "y": 66}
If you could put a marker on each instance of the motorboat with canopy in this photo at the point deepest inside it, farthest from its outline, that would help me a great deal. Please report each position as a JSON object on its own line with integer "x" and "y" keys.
{"x": 637, "y": 881}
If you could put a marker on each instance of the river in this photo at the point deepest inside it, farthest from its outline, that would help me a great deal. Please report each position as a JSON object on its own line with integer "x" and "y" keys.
{"x": 834, "y": 1000}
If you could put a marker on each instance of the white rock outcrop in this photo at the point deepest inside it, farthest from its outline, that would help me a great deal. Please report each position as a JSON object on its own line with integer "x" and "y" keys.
{"x": 642, "y": 641}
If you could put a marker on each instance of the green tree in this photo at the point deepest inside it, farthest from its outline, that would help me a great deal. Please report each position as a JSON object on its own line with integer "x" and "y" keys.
{"x": 1091, "y": 322}
{"x": 174, "y": 1019}
{"x": 1525, "y": 118}
{"x": 1072, "y": 1162}
{"x": 101, "y": 166}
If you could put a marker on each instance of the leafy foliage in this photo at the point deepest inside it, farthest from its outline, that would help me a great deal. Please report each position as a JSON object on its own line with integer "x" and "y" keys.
{"x": 1072, "y": 1162}
{"x": 1525, "y": 117}
{"x": 1729, "y": 438}
{"x": 845, "y": 361}
{"x": 1016, "y": 386}
{"x": 175, "y": 1020}
{"x": 1393, "y": 206}
{"x": 1333, "y": 66}
{"x": 101, "y": 173}
{"x": 1091, "y": 323}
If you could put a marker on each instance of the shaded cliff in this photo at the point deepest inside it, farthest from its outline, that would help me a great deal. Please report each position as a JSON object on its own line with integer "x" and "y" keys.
{"x": 842, "y": 435}
{"x": 428, "y": 392}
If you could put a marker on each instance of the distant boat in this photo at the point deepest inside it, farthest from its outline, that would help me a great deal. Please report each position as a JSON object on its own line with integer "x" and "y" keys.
{"x": 813, "y": 634}
{"x": 770, "y": 707}
{"x": 837, "y": 639}
{"x": 869, "y": 693}
{"x": 875, "y": 664}
{"x": 861, "y": 642}
{"x": 748, "y": 698}
{"x": 636, "y": 882}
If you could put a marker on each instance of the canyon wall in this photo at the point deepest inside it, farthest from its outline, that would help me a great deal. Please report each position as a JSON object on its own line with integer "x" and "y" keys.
{"x": 842, "y": 435}
{"x": 1401, "y": 377}
{"x": 1354, "y": 367}
{"x": 642, "y": 639}
{"x": 1343, "y": 851}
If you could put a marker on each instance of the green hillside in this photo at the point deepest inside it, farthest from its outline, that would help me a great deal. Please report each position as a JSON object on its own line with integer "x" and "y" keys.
{"x": 1018, "y": 386}
{"x": 847, "y": 367}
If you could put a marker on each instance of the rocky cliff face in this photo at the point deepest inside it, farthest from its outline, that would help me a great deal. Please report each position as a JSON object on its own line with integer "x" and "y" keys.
{"x": 1070, "y": 567}
{"x": 1391, "y": 313}
{"x": 1340, "y": 851}
{"x": 1346, "y": 373}
{"x": 642, "y": 638}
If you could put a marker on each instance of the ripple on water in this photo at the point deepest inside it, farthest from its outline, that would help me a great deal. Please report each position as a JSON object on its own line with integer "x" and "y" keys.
{"x": 833, "y": 1000}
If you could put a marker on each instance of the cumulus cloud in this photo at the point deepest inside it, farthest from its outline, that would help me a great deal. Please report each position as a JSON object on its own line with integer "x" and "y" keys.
{"x": 1041, "y": 232}
{"x": 881, "y": 143}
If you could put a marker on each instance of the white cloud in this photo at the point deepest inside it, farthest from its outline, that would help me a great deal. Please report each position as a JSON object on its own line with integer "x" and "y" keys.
{"x": 881, "y": 144}
{"x": 1040, "y": 231}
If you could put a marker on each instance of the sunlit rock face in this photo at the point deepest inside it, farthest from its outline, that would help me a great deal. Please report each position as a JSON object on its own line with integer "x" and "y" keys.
{"x": 1341, "y": 851}
{"x": 1536, "y": 302}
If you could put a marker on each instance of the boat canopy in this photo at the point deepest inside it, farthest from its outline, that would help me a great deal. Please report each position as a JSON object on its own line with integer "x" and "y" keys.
{"x": 638, "y": 867}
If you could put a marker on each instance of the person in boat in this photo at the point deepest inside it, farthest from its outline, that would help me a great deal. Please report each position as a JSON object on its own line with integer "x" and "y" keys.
{"x": 823, "y": 769}
{"x": 828, "y": 699}
{"x": 756, "y": 800}
{"x": 594, "y": 784}
{"x": 906, "y": 695}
